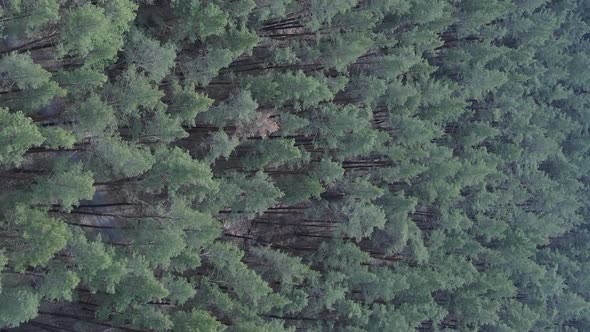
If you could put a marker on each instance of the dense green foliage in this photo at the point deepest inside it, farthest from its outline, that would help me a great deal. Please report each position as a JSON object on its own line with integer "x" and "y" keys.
{"x": 283, "y": 165}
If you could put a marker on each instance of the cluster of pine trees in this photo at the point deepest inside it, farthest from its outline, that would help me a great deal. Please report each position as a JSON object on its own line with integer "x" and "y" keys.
{"x": 295, "y": 165}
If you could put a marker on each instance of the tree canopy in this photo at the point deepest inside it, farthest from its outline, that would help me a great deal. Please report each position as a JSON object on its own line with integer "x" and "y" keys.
{"x": 281, "y": 165}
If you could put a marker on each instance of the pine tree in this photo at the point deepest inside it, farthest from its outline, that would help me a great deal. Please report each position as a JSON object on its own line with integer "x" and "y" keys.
{"x": 17, "y": 136}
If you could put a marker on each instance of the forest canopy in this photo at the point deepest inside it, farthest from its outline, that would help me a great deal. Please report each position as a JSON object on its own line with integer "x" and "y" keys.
{"x": 295, "y": 165}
